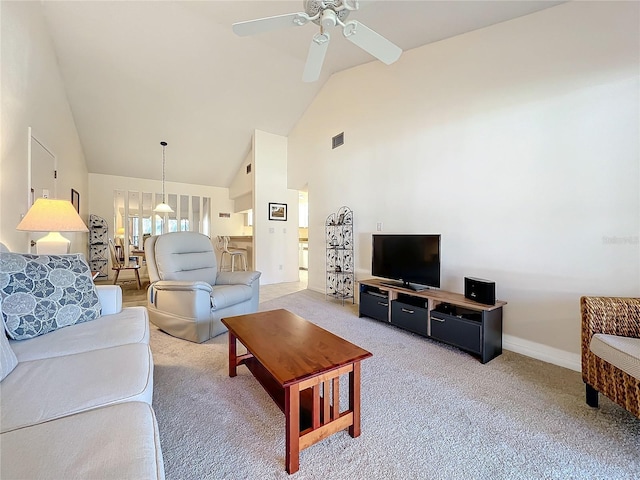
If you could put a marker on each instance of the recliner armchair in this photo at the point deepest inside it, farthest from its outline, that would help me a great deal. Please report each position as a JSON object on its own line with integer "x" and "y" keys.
{"x": 188, "y": 296}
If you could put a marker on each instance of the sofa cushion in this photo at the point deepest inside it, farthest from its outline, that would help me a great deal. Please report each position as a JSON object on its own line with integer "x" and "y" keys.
{"x": 223, "y": 296}
{"x": 116, "y": 442}
{"x": 41, "y": 293}
{"x": 43, "y": 390}
{"x": 8, "y": 360}
{"x": 131, "y": 325}
{"x": 621, "y": 352}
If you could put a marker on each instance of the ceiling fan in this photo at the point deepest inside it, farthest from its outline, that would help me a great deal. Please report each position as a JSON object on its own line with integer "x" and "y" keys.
{"x": 327, "y": 14}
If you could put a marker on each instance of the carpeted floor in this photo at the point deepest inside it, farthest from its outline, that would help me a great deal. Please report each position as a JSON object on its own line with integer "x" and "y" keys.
{"x": 429, "y": 411}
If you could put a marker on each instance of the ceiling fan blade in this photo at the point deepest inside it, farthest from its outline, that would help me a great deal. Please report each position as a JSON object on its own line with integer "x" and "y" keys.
{"x": 315, "y": 57}
{"x": 267, "y": 24}
{"x": 371, "y": 42}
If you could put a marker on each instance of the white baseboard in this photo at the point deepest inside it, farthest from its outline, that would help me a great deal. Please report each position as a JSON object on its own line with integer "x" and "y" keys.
{"x": 314, "y": 289}
{"x": 542, "y": 352}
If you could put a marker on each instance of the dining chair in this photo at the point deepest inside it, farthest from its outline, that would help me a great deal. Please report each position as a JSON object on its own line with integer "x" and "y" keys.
{"x": 119, "y": 265}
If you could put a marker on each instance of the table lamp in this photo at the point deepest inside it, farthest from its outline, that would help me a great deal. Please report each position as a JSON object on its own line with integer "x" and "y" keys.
{"x": 53, "y": 216}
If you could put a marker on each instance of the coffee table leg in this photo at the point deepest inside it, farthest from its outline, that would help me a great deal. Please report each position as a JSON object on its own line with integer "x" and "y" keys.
{"x": 292, "y": 426}
{"x": 354, "y": 399}
{"x": 233, "y": 361}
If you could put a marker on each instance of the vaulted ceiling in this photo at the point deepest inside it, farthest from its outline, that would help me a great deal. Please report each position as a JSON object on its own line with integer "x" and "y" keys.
{"x": 140, "y": 72}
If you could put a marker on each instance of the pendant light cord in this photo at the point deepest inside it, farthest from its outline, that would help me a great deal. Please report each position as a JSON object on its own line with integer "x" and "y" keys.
{"x": 164, "y": 198}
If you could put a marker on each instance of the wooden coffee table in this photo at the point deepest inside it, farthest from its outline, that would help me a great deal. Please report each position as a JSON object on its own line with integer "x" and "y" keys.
{"x": 299, "y": 364}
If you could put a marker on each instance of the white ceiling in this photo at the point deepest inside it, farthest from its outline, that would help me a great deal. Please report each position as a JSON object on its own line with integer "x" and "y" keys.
{"x": 139, "y": 72}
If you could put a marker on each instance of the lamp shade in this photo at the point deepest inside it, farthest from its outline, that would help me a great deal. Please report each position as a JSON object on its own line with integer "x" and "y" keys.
{"x": 51, "y": 215}
{"x": 163, "y": 208}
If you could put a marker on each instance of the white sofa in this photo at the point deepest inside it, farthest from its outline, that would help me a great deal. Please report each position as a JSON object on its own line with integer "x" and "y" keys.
{"x": 78, "y": 402}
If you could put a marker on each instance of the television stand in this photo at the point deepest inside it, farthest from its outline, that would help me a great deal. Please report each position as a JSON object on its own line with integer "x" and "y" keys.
{"x": 444, "y": 316}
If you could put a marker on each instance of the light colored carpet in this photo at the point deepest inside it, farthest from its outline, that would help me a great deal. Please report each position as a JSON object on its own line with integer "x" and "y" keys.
{"x": 428, "y": 412}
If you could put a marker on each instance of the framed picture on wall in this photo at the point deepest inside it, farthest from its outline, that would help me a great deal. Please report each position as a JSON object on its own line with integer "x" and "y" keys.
{"x": 75, "y": 199}
{"x": 278, "y": 211}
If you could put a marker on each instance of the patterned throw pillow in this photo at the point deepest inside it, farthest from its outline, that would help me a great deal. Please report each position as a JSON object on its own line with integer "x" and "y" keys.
{"x": 41, "y": 293}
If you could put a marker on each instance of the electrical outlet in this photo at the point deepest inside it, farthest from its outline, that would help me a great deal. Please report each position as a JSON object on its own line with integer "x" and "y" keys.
{"x": 379, "y": 227}
{"x": 279, "y": 267}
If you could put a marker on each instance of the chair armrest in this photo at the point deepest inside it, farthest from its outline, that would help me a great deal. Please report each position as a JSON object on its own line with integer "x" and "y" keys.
{"x": 110, "y": 298}
{"x": 610, "y": 315}
{"x": 180, "y": 298}
{"x": 175, "y": 285}
{"x": 237, "y": 278}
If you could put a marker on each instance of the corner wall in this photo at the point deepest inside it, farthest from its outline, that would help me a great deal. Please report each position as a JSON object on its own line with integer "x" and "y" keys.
{"x": 519, "y": 143}
{"x": 33, "y": 95}
{"x": 275, "y": 241}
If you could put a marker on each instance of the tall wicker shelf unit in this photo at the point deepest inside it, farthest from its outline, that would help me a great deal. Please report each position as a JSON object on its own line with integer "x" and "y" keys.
{"x": 340, "y": 258}
{"x": 98, "y": 245}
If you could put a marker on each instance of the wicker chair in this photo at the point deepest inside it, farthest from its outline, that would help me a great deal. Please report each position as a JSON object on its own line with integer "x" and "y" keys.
{"x": 611, "y": 316}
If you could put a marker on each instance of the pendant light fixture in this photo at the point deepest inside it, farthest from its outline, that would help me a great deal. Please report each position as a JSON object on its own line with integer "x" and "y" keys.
{"x": 163, "y": 207}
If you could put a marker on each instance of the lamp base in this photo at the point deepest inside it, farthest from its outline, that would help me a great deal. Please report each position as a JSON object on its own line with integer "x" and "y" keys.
{"x": 53, "y": 244}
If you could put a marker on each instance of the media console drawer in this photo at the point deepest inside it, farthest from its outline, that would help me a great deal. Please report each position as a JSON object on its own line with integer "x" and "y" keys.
{"x": 374, "y": 306}
{"x": 409, "y": 317}
{"x": 460, "y": 332}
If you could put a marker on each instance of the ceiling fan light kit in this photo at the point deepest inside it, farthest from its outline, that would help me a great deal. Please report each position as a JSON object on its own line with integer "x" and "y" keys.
{"x": 327, "y": 14}
{"x": 328, "y": 18}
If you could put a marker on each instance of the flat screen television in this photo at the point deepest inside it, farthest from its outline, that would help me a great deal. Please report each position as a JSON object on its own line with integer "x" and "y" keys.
{"x": 414, "y": 259}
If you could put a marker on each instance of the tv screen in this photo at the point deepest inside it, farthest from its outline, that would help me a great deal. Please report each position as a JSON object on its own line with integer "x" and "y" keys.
{"x": 411, "y": 258}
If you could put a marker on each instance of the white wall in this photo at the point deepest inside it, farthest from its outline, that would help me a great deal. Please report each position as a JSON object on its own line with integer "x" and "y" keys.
{"x": 518, "y": 143}
{"x": 33, "y": 94}
{"x": 275, "y": 242}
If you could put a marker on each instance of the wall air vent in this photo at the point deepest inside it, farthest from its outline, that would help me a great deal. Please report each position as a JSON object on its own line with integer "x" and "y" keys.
{"x": 337, "y": 140}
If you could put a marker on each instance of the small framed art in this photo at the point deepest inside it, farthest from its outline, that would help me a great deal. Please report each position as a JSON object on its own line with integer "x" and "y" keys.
{"x": 75, "y": 200}
{"x": 278, "y": 211}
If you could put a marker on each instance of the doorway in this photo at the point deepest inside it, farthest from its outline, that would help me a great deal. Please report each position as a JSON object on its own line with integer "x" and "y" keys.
{"x": 42, "y": 177}
{"x": 303, "y": 234}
